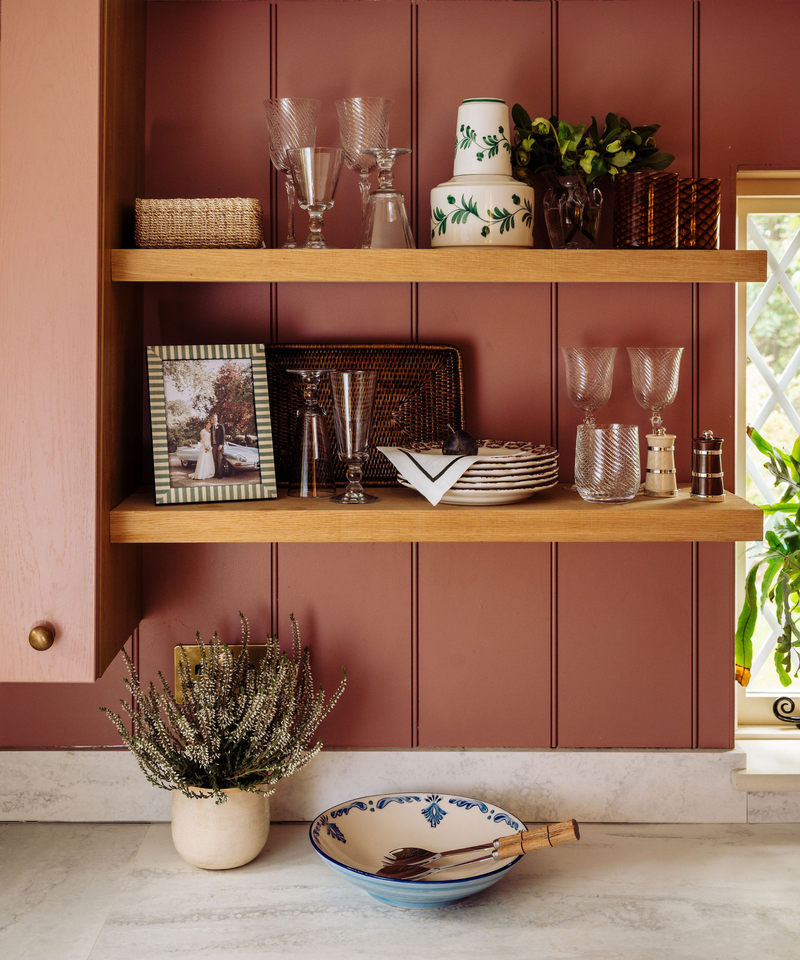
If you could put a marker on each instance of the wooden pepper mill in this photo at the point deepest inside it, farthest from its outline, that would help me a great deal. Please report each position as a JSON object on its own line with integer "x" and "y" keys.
{"x": 660, "y": 474}
{"x": 707, "y": 477}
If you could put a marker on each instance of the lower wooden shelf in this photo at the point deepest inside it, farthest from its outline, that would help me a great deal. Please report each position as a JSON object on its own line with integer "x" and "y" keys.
{"x": 402, "y": 516}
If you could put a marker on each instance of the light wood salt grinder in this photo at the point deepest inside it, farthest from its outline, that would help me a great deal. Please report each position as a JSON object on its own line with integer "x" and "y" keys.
{"x": 660, "y": 475}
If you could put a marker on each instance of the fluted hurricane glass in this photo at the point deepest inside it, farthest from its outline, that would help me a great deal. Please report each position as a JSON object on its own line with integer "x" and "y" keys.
{"x": 311, "y": 468}
{"x": 292, "y": 124}
{"x": 353, "y": 393}
{"x": 590, "y": 373}
{"x": 363, "y": 123}
{"x": 655, "y": 373}
{"x": 607, "y": 465}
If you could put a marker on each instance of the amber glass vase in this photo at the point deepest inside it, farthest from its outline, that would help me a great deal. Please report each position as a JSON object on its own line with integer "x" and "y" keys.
{"x": 698, "y": 213}
{"x": 646, "y": 210}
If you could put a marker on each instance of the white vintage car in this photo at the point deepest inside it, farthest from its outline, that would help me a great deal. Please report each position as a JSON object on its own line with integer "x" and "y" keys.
{"x": 236, "y": 457}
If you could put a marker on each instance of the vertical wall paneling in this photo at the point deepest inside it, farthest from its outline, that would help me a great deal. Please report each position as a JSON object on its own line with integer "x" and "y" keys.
{"x": 484, "y": 645}
{"x": 624, "y": 645}
{"x": 353, "y": 603}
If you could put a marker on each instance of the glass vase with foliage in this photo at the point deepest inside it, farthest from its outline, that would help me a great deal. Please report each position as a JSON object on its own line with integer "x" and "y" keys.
{"x": 242, "y": 721}
{"x": 778, "y": 566}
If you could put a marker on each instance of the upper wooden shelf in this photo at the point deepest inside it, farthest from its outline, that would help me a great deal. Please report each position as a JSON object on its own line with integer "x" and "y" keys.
{"x": 403, "y": 516}
{"x": 451, "y": 265}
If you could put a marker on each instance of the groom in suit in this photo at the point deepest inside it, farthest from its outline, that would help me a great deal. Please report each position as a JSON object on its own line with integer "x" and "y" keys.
{"x": 217, "y": 445}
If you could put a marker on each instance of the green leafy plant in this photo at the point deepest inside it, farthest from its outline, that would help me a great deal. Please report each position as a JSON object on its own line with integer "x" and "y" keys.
{"x": 238, "y": 723}
{"x": 779, "y": 564}
{"x": 554, "y": 148}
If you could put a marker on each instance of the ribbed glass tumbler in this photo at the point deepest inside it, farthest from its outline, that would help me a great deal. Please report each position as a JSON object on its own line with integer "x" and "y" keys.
{"x": 607, "y": 466}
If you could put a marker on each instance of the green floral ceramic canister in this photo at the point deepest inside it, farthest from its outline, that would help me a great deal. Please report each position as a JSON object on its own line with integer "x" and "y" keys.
{"x": 482, "y": 205}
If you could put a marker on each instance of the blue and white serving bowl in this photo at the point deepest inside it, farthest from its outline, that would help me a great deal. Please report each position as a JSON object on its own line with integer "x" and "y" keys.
{"x": 354, "y": 837}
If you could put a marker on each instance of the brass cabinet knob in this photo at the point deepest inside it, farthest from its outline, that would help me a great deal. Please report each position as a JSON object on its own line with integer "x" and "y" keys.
{"x": 41, "y": 637}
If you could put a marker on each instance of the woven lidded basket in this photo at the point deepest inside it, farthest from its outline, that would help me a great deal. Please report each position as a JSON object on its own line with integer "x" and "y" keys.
{"x": 215, "y": 222}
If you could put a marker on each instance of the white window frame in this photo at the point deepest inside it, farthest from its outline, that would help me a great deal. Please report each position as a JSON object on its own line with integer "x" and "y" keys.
{"x": 758, "y": 191}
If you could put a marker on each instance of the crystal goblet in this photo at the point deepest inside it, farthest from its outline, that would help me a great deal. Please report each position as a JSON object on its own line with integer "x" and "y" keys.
{"x": 353, "y": 393}
{"x": 363, "y": 123}
{"x": 655, "y": 379}
{"x": 386, "y": 223}
{"x": 292, "y": 124}
{"x": 590, "y": 372}
{"x": 311, "y": 469}
{"x": 315, "y": 171}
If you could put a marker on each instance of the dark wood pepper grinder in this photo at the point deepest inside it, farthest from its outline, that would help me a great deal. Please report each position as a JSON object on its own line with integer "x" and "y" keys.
{"x": 707, "y": 476}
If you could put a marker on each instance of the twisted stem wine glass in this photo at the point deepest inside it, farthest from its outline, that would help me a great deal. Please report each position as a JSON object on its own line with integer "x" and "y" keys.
{"x": 292, "y": 124}
{"x": 590, "y": 372}
{"x": 353, "y": 393}
{"x": 655, "y": 373}
{"x": 363, "y": 123}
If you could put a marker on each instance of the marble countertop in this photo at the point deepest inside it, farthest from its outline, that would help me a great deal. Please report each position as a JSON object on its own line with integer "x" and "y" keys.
{"x": 668, "y": 892}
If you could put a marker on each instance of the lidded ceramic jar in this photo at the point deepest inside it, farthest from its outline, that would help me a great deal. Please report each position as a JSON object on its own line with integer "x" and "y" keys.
{"x": 483, "y": 205}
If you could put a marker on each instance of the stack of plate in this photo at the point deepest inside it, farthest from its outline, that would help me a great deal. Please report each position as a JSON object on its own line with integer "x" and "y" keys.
{"x": 507, "y": 471}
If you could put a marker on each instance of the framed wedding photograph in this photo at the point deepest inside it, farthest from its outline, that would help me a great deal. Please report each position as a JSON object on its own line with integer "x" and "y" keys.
{"x": 210, "y": 420}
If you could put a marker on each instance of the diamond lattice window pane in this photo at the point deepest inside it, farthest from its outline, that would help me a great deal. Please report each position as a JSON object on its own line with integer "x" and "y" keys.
{"x": 772, "y": 381}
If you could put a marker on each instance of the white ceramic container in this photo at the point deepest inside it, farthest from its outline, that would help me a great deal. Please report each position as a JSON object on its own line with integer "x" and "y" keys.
{"x": 219, "y": 836}
{"x": 482, "y": 211}
{"x": 483, "y": 138}
{"x": 483, "y": 205}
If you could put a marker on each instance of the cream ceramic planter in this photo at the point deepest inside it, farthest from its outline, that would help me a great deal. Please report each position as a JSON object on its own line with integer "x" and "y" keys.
{"x": 219, "y": 836}
{"x": 483, "y": 205}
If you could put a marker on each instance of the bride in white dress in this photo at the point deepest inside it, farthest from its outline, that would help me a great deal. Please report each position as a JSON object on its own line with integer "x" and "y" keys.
{"x": 204, "y": 468}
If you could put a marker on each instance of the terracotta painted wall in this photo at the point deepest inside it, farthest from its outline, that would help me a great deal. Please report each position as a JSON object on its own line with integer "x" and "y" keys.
{"x": 426, "y": 631}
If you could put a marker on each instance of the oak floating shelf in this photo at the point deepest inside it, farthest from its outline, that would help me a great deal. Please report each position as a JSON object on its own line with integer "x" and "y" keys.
{"x": 403, "y": 516}
{"x": 451, "y": 265}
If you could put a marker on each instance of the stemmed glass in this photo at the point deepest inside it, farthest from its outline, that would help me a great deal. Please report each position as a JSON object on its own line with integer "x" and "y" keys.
{"x": 655, "y": 379}
{"x": 315, "y": 171}
{"x": 590, "y": 372}
{"x": 363, "y": 123}
{"x": 353, "y": 394}
{"x": 292, "y": 124}
{"x": 311, "y": 469}
{"x": 386, "y": 221}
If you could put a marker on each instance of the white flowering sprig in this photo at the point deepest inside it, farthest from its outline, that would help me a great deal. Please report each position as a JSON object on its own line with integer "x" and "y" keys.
{"x": 239, "y": 723}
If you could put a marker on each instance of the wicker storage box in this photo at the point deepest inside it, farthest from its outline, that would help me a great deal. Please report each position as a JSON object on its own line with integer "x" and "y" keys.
{"x": 223, "y": 222}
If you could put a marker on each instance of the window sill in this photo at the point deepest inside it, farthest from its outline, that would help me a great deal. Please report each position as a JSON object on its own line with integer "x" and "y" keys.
{"x": 773, "y": 766}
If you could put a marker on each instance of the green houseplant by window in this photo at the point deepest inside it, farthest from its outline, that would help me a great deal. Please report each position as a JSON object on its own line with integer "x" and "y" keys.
{"x": 243, "y": 722}
{"x": 778, "y": 562}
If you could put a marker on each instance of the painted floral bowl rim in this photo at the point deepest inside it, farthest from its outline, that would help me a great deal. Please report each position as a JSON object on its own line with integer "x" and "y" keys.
{"x": 481, "y": 875}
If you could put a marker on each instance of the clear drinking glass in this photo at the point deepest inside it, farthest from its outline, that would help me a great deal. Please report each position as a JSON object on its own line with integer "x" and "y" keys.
{"x": 386, "y": 223}
{"x": 353, "y": 394}
{"x": 655, "y": 373}
{"x": 607, "y": 466}
{"x": 590, "y": 373}
{"x": 363, "y": 123}
{"x": 315, "y": 171}
{"x": 292, "y": 124}
{"x": 311, "y": 468}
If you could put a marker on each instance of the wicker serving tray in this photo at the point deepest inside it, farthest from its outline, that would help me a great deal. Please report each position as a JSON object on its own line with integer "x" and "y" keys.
{"x": 210, "y": 223}
{"x": 419, "y": 393}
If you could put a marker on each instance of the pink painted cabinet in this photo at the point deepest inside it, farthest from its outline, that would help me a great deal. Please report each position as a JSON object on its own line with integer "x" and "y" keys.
{"x": 426, "y": 631}
{"x": 72, "y": 433}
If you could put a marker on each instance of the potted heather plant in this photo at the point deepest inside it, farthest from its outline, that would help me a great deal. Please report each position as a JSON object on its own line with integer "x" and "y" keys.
{"x": 238, "y": 725}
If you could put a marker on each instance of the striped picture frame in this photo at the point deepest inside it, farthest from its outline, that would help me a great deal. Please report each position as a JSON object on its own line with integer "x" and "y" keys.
{"x": 175, "y": 487}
